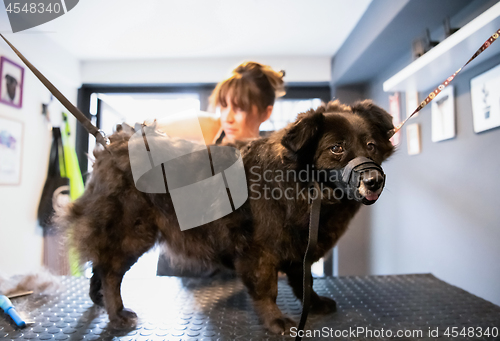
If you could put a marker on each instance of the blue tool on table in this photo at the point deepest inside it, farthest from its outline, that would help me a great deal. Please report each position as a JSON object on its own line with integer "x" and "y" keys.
{"x": 9, "y": 309}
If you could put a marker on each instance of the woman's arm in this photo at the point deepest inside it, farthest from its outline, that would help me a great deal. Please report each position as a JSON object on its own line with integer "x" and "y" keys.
{"x": 183, "y": 128}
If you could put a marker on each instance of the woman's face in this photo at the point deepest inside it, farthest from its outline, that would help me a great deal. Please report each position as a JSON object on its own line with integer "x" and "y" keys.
{"x": 238, "y": 124}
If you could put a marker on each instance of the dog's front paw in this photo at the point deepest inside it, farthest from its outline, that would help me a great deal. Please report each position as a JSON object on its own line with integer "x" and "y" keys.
{"x": 124, "y": 319}
{"x": 280, "y": 325}
{"x": 97, "y": 298}
{"x": 323, "y": 305}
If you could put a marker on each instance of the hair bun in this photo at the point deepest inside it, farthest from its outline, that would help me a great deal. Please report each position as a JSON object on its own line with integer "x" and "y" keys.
{"x": 249, "y": 68}
{"x": 276, "y": 80}
{"x": 255, "y": 70}
{"x": 251, "y": 83}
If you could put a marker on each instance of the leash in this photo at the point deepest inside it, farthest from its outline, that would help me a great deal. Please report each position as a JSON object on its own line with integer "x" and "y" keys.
{"x": 308, "y": 258}
{"x": 443, "y": 85}
{"x": 99, "y": 135}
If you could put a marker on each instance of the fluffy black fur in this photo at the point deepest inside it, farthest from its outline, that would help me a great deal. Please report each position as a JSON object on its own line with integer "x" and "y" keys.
{"x": 113, "y": 223}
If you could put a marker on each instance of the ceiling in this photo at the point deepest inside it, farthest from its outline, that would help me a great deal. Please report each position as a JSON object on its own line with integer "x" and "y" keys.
{"x": 155, "y": 29}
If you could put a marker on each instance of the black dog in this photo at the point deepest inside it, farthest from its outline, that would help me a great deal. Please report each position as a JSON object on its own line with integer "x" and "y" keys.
{"x": 113, "y": 223}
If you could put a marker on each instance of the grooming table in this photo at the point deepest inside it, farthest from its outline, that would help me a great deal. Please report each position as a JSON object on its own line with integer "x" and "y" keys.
{"x": 172, "y": 308}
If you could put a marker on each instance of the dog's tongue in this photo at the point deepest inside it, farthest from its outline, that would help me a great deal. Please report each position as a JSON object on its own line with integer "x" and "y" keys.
{"x": 372, "y": 197}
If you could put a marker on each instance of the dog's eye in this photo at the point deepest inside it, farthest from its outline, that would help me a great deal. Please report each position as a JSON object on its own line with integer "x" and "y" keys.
{"x": 371, "y": 147}
{"x": 337, "y": 149}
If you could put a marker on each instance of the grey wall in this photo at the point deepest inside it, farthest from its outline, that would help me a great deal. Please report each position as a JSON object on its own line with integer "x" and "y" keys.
{"x": 386, "y": 31}
{"x": 439, "y": 211}
{"x": 350, "y": 93}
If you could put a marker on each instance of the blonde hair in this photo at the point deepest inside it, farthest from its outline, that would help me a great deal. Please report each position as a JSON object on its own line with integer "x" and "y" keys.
{"x": 251, "y": 84}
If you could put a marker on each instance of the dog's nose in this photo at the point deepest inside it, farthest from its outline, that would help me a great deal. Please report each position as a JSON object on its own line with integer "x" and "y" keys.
{"x": 373, "y": 182}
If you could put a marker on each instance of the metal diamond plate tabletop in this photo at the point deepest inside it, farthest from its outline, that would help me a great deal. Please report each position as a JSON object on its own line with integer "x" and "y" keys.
{"x": 403, "y": 307}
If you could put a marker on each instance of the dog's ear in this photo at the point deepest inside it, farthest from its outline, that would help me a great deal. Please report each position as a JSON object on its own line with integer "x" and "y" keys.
{"x": 379, "y": 119}
{"x": 305, "y": 131}
{"x": 380, "y": 122}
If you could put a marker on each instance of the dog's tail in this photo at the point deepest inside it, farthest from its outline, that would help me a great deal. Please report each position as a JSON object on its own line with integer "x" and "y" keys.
{"x": 86, "y": 221}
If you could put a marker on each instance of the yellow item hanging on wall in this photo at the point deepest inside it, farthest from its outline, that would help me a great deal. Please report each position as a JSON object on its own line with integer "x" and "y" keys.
{"x": 71, "y": 163}
{"x": 75, "y": 183}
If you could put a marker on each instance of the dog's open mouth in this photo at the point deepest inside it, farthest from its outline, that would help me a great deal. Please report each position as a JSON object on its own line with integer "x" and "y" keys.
{"x": 370, "y": 197}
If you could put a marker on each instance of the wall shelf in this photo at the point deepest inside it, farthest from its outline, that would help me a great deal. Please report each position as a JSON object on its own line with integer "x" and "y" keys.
{"x": 452, "y": 53}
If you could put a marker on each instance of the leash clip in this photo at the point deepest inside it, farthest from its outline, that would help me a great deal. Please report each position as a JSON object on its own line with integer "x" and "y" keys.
{"x": 104, "y": 136}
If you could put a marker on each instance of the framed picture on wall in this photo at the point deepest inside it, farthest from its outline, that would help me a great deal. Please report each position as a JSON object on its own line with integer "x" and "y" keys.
{"x": 413, "y": 139}
{"x": 11, "y": 83}
{"x": 11, "y": 147}
{"x": 411, "y": 103}
{"x": 443, "y": 115}
{"x": 395, "y": 112}
{"x": 485, "y": 95}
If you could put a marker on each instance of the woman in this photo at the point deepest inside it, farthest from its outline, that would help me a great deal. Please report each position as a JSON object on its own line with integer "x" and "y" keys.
{"x": 245, "y": 100}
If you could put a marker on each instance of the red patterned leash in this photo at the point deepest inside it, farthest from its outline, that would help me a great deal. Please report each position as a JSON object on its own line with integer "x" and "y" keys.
{"x": 443, "y": 85}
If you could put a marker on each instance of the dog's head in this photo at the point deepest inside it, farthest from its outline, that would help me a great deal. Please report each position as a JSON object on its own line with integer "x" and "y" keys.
{"x": 335, "y": 136}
